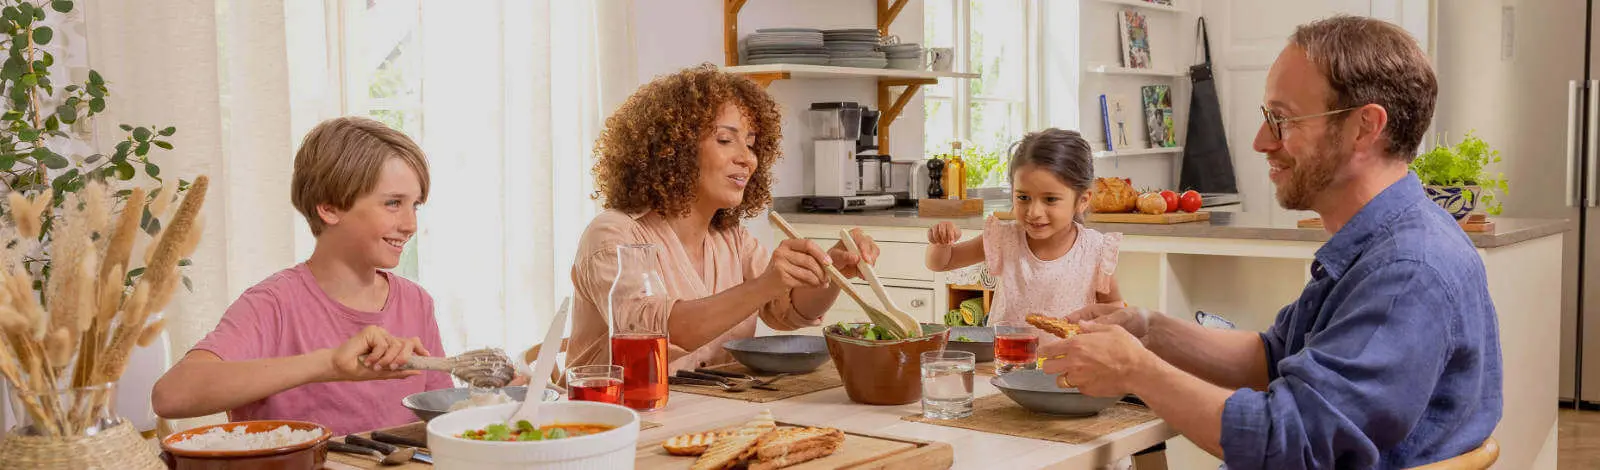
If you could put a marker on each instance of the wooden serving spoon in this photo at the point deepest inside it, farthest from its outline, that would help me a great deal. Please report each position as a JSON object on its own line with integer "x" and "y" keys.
{"x": 878, "y": 317}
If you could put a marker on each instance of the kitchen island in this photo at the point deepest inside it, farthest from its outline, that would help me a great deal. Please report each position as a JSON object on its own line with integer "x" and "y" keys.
{"x": 1247, "y": 273}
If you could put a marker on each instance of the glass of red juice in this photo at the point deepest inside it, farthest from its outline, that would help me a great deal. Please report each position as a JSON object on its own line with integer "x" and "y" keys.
{"x": 1014, "y": 345}
{"x": 643, "y": 358}
{"x": 599, "y": 383}
{"x": 639, "y": 346}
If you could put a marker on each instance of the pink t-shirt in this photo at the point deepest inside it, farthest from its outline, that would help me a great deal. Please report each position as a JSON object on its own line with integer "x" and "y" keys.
{"x": 288, "y": 314}
{"x": 1055, "y": 287}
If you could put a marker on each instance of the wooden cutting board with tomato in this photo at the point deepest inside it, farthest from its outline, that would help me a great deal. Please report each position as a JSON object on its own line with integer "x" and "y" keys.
{"x": 1113, "y": 200}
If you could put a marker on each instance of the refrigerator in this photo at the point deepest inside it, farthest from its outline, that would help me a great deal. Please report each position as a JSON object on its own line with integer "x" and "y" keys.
{"x": 1525, "y": 76}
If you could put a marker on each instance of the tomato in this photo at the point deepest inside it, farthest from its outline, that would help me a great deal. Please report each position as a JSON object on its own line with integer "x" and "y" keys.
{"x": 1189, "y": 201}
{"x": 1172, "y": 200}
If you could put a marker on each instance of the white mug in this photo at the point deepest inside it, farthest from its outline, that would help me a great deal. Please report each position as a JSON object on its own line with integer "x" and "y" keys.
{"x": 939, "y": 59}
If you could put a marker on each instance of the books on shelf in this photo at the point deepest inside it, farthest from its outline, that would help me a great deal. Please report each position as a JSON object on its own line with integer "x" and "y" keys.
{"x": 1157, "y": 100}
{"x": 1114, "y": 122}
{"x": 1134, "y": 30}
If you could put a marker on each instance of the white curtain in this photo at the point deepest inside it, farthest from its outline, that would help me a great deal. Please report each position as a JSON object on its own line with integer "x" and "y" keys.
{"x": 513, "y": 95}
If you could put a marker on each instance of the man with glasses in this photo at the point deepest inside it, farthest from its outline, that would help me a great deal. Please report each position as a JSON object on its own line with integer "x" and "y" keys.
{"x": 1390, "y": 358}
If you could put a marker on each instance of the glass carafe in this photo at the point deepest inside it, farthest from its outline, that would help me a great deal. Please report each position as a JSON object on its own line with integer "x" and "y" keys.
{"x": 640, "y": 347}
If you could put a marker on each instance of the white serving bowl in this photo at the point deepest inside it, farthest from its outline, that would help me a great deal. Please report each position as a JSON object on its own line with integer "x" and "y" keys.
{"x": 614, "y": 449}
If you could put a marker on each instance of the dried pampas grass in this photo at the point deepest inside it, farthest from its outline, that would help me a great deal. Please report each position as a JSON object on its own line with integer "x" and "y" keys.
{"x": 86, "y": 321}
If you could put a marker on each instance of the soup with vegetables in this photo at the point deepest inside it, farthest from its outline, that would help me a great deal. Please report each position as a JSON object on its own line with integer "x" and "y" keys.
{"x": 525, "y": 431}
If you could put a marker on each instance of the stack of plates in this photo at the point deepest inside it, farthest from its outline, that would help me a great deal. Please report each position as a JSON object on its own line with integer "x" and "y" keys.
{"x": 904, "y": 56}
{"x": 854, "y": 47}
{"x": 786, "y": 46}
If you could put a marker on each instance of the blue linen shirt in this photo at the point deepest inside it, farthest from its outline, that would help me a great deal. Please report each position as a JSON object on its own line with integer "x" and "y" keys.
{"x": 1390, "y": 358}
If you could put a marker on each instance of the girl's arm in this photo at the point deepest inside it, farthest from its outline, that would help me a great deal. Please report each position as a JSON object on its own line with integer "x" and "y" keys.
{"x": 1112, "y": 296}
{"x": 944, "y": 254}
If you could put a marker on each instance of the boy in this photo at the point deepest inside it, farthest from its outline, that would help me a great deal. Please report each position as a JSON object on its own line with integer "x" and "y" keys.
{"x": 289, "y": 347}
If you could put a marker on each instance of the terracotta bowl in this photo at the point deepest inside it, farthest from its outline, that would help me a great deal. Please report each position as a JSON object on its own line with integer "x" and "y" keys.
{"x": 883, "y": 372}
{"x": 305, "y": 455}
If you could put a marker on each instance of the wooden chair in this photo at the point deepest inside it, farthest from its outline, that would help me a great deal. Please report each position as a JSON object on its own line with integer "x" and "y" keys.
{"x": 556, "y": 377}
{"x": 1476, "y": 459}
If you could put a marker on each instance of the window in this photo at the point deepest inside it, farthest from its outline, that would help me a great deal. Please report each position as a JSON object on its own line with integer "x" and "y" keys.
{"x": 382, "y": 74}
{"x": 996, "y": 40}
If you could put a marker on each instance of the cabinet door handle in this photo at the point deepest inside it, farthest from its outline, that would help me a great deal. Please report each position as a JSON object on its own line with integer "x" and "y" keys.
{"x": 917, "y": 303}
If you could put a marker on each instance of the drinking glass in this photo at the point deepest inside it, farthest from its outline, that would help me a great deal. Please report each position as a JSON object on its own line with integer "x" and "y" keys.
{"x": 601, "y": 383}
{"x": 1014, "y": 345}
{"x": 947, "y": 384}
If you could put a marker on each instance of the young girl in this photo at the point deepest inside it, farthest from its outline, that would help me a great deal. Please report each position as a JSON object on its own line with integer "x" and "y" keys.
{"x": 1046, "y": 261}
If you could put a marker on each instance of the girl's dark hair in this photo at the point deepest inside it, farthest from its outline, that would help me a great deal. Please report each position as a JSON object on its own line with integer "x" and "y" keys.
{"x": 1061, "y": 152}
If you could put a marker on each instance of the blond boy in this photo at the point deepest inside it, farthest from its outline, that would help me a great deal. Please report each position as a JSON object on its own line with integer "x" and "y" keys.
{"x": 289, "y": 347}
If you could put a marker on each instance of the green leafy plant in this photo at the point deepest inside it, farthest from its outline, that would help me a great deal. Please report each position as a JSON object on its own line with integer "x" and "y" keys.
{"x": 38, "y": 125}
{"x": 1463, "y": 165}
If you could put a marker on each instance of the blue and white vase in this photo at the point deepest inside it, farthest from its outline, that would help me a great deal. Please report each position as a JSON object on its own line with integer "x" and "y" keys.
{"x": 1457, "y": 200}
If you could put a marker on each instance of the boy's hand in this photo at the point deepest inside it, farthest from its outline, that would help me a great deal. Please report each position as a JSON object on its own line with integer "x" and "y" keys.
{"x": 945, "y": 233}
{"x": 385, "y": 355}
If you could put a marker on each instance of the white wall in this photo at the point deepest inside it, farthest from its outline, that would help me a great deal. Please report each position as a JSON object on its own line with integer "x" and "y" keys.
{"x": 671, "y": 35}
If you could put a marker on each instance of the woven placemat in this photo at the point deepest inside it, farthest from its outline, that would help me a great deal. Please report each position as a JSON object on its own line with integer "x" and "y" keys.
{"x": 790, "y": 386}
{"x": 998, "y": 414}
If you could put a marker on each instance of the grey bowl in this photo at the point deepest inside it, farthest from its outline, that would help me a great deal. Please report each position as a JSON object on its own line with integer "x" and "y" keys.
{"x": 1037, "y": 392}
{"x": 430, "y": 404}
{"x": 981, "y": 346}
{"x": 794, "y": 354}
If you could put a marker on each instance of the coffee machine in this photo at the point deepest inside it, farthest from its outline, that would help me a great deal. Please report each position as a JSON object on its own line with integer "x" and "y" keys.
{"x": 836, "y": 130}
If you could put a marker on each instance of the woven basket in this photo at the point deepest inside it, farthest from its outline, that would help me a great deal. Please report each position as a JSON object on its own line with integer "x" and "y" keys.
{"x": 118, "y": 447}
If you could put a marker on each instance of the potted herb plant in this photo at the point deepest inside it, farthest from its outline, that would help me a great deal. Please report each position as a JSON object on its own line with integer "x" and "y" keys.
{"x": 1455, "y": 178}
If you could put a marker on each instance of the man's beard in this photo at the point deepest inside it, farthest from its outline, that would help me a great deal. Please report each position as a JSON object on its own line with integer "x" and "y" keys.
{"x": 1309, "y": 177}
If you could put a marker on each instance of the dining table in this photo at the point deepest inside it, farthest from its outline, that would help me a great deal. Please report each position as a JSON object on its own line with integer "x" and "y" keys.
{"x": 688, "y": 412}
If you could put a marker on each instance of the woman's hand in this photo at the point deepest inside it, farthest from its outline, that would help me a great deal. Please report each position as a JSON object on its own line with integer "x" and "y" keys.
{"x": 945, "y": 233}
{"x": 796, "y": 263}
{"x": 847, "y": 261}
{"x": 385, "y": 354}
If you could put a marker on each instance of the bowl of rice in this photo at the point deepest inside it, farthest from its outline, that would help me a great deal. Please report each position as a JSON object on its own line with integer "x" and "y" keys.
{"x": 248, "y": 445}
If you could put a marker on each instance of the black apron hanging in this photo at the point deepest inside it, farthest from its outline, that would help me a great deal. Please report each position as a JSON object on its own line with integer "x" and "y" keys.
{"x": 1207, "y": 164}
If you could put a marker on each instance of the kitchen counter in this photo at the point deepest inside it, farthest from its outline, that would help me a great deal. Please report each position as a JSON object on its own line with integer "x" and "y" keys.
{"x": 1508, "y": 231}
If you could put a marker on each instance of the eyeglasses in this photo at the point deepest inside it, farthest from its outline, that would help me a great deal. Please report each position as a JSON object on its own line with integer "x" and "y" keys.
{"x": 1276, "y": 123}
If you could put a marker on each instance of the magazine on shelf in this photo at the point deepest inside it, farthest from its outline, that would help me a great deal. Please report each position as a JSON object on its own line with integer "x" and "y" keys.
{"x": 1157, "y": 101}
{"x": 1135, "y": 34}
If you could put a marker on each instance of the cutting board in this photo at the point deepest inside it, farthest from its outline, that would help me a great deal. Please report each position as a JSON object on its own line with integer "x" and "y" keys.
{"x": 1137, "y": 218}
{"x": 1474, "y": 223}
{"x": 860, "y": 450}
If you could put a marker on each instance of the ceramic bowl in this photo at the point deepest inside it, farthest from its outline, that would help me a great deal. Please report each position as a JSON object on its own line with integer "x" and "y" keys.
{"x": 430, "y": 404}
{"x": 794, "y": 354}
{"x": 308, "y": 454}
{"x": 1037, "y": 392}
{"x": 883, "y": 372}
{"x": 614, "y": 449}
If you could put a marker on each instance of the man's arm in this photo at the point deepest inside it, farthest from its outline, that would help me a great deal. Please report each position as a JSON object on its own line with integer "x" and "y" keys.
{"x": 1230, "y": 359}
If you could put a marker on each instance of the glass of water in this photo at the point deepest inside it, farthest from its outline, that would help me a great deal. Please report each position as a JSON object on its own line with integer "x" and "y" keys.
{"x": 947, "y": 384}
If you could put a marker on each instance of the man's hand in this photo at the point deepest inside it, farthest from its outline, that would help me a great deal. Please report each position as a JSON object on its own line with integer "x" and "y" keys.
{"x": 1136, "y": 320}
{"x": 1100, "y": 361}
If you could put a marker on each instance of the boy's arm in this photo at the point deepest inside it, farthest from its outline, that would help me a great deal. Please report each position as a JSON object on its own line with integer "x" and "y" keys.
{"x": 202, "y": 383}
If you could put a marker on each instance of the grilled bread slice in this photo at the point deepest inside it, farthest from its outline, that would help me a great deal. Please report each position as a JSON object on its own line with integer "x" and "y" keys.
{"x": 791, "y": 446}
{"x": 692, "y": 444}
{"x": 728, "y": 451}
{"x": 1055, "y": 326}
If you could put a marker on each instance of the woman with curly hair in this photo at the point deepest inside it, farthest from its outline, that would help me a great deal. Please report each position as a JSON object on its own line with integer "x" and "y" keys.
{"x": 679, "y": 165}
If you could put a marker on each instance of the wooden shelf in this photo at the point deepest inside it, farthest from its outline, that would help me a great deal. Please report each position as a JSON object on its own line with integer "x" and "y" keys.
{"x": 1115, "y": 70}
{"x": 828, "y": 71}
{"x": 889, "y": 105}
{"x": 1145, "y": 5}
{"x": 1136, "y": 152}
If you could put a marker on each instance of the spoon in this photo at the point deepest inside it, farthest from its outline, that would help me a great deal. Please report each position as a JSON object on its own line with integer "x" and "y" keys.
{"x": 907, "y": 324}
{"x": 529, "y": 411}
{"x": 484, "y": 368}
{"x": 877, "y": 316}
{"x": 397, "y": 457}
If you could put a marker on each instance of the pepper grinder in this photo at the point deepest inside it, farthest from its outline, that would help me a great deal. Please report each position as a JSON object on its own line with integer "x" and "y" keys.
{"x": 935, "y": 178}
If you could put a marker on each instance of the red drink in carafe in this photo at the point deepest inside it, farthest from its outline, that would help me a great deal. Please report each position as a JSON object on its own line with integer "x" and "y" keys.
{"x": 600, "y": 389}
{"x": 643, "y": 358}
{"x": 1015, "y": 348}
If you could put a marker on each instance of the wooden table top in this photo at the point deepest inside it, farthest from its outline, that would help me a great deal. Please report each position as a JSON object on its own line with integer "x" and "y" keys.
{"x": 687, "y": 412}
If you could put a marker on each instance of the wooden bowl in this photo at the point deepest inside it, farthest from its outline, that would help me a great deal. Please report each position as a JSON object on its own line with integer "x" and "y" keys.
{"x": 883, "y": 372}
{"x": 305, "y": 455}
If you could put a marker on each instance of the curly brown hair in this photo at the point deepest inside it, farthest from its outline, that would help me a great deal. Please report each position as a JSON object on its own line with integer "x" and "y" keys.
{"x": 648, "y": 156}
